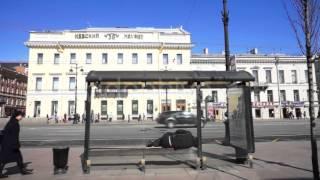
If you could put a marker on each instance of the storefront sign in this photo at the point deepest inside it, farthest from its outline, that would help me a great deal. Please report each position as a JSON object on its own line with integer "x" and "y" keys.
{"x": 108, "y": 36}
{"x": 292, "y": 103}
{"x": 111, "y": 93}
{"x": 262, "y": 104}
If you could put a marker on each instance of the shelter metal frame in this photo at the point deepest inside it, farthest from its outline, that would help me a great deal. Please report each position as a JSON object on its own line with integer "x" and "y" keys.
{"x": 159, "y": 80}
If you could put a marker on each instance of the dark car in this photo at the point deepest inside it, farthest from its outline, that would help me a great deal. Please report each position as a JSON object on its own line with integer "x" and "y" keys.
{"x": 172, "y": 118}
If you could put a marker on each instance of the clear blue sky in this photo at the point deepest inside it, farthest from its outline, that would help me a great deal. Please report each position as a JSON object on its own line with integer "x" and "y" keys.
{"x": 253, "y": 23}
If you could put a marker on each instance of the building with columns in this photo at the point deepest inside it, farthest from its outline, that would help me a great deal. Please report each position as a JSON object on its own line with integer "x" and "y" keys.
{"x": 60, "y": 60}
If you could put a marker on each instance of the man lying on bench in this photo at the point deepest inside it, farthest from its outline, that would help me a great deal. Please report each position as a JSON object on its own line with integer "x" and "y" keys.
{"x": 181, "y": 139}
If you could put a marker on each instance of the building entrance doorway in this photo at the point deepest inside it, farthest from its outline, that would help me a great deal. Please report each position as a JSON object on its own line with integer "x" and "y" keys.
{"x": 298, "y": 113}
{"x": 37, "y": 105}
{"x": 285, "y": 113}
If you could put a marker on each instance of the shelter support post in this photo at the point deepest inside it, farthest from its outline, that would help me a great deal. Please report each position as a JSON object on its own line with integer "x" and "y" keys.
{"x": 199, "y": 130}
{"x": 85, "y": 157}
{"x": 206, "y": 109}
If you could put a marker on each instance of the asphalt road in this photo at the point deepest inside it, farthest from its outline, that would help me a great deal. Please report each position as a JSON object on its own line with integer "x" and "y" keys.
{"x": 141, "y": 133}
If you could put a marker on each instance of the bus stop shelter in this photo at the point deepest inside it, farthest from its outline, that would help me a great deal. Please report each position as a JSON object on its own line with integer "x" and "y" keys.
{"x": 159, "y": 80}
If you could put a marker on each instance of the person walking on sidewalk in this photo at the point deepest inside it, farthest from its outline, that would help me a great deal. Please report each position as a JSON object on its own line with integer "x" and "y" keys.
{"x": 10, "y": 146}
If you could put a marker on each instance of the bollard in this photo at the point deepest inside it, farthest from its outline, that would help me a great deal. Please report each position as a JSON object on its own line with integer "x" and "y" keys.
{"x": 60, "y": 159}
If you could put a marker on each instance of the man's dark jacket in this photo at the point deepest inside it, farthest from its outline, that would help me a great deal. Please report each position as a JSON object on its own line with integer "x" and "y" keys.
{"x": 10, "y": 146}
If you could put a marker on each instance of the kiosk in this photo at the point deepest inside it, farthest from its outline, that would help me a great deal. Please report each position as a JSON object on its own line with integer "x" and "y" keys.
{"x": 177, "y": 80}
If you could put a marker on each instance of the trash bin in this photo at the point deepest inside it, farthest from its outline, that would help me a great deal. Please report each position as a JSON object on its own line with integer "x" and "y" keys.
{"x": 60, "y": 159}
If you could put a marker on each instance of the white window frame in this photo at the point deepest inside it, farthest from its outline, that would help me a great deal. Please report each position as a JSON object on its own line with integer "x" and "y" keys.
{"x": 40, "y": 58}
{"x": 73, "y": 58}
{"x": 179, "y": 59}
{"x": 149, "y": 58}
{"x": 71, "y": 86}
{"x": 104, "y": 58}
{"x": 120, "y": 58}
{"x": 38, "y": 83}
{"x": 88, "y": 58}
{"x": 56, "y": 58}
{"x": 55, "y": 87}
{"x": 165, "y": 59}
{"x": 134, "y": 58}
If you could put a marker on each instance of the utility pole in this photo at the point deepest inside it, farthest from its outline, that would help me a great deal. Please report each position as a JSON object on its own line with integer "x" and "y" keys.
{"x": 225, "y": 20}
{"x": 313, "y": 140}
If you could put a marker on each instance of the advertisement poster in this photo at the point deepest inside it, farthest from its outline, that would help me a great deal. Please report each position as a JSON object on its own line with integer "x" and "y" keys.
{"x": 240, "y": 119}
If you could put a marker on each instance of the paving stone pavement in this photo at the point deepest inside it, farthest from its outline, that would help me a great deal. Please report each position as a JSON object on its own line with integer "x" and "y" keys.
{"x": 272, "y": 160}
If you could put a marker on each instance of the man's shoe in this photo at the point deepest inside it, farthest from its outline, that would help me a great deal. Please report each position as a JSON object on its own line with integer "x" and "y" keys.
{"x": 150, "y": 144}
{"x": 3, "y": 176}
{"x": 25, "y": 172}
{"x": 30, "y": 170}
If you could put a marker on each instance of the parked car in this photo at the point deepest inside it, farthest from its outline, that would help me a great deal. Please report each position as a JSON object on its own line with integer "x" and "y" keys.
{"x": 172, "y": 118}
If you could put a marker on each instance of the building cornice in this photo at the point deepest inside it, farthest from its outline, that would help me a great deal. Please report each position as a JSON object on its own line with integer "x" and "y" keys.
{"x": 59, "y": 45}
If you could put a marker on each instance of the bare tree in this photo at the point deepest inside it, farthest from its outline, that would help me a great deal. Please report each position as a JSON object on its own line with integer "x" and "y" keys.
{"x": 305, "y": 22}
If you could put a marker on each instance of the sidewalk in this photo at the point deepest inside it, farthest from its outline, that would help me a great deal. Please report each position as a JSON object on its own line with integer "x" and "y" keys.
{"x": 273, "y": 160}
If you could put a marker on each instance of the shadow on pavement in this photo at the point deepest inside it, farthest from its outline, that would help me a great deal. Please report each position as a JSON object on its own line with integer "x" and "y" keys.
{"x": 282, "y": 164}
{"x": 296, "y": 178}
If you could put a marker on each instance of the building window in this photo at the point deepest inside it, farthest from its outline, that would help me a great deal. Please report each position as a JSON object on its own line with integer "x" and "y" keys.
{"x": 258, "y": 113}
{"x": 120, "y": 107}
{"x": 104, "y": 58}
{"x": 149, "y": 58}
{"x": 255, "y": 75}
{"x": 135, "y": 110}
{"x": 120, "y": 58}
{"x": 56, "y": 58}
{"x": 256, "y": 96}
{"x": 296, "y": 96}
{"x": 72, "y": 58}
{"x": 270, "y": 95}
{"x": 88, "y": 58}
{"x": 281, "y": 76}
{"x": 165, "y": 58}
{"x": 104, "y": 108}
{"x": 268, "y": 76}
{"x": 71, "y": 108}
{"x": 180, "y": 104}
{"x": 149, "y": 106}
{"x": 294, "y": 76}
{"x": 179, "y": 58}
{"x": 215, "y": 96}
{"x": 271, "y": 113}
{"x": 165, "y": 105}
{"x": 40, "y": 58}
{"x": 37, "y": 110}
{"x": 54, "y": 108}
{"x": 283, "y": 95}
{"x": 134, "y": 58}
{"x": 306, "y": 75}
{"x": 55, "y": 83}
{"x": 72, "y": 83}
{"x": 38, "y": 83}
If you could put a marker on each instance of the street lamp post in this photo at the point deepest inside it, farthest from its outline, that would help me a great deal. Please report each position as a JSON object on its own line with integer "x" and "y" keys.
{"x": 278, "y": 83}
{"x": 76, "y": 68}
